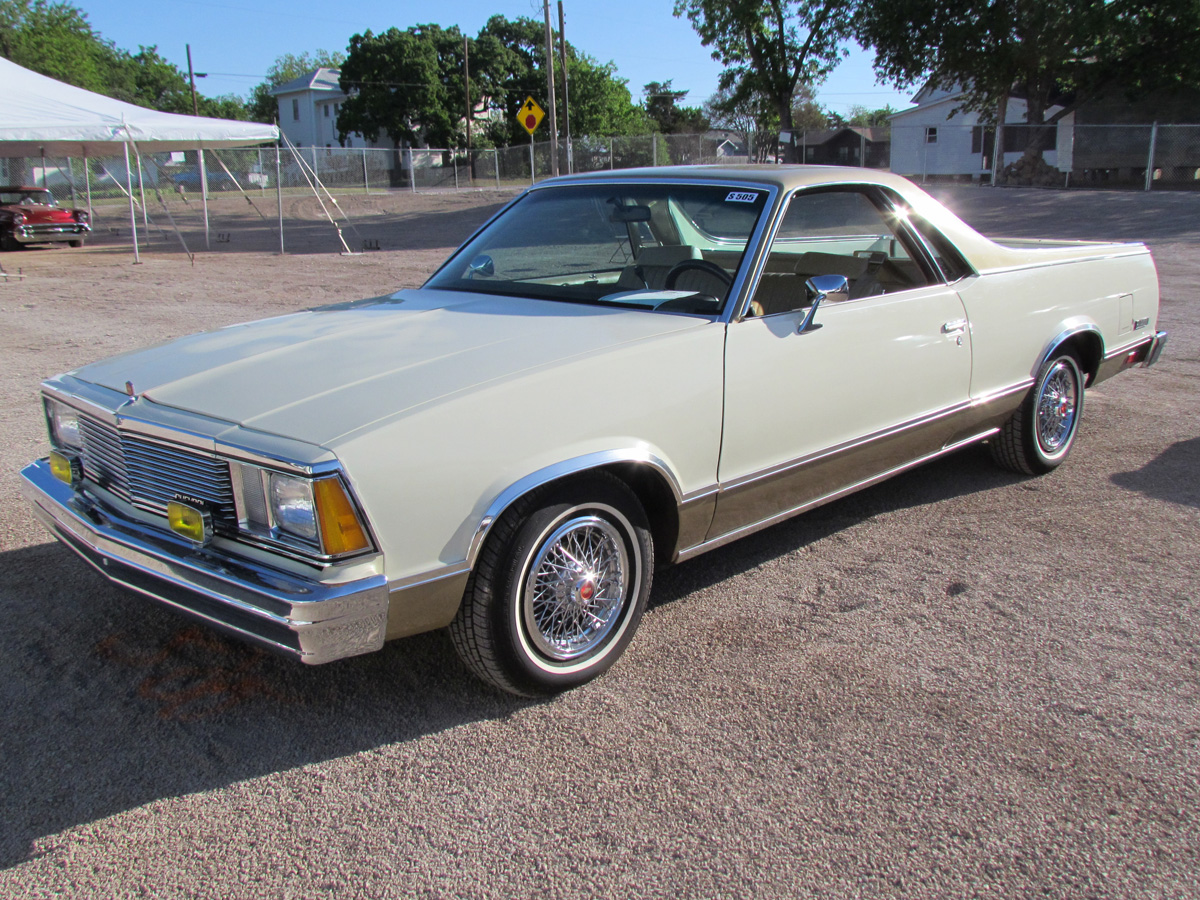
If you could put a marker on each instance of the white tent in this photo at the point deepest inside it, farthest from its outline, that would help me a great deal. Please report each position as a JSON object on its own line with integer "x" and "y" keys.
{"x": 43, "y": 117}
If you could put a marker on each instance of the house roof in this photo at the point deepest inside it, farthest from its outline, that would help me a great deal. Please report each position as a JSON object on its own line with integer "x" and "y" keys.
{"x": 872, "y": 134}
{"x": 322, "y": 79}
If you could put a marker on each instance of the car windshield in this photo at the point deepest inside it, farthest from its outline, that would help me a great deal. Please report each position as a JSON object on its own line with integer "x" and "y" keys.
{"x": 668, "y": 248}
{"x": 26, "y": 198}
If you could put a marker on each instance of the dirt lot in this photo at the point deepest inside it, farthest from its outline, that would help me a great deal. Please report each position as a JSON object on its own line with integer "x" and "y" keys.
{"x": 959, "y": 683}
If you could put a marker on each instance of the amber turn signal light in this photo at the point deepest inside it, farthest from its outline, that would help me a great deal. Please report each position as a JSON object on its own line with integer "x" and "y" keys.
{"x": 341, "y": 531}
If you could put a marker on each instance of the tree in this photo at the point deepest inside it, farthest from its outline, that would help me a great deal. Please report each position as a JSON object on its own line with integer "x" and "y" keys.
{"x": 512, "y": 66}
{"x": 57, "y": 40}
{"x": 1051, "y": 53}
{"x": 860, "y": 116}
{"x": 753, "y": 120}
{"x": 406, "y": 84}
{"x": 262, "y": 106}
{"x": 662, "y": 105}
{"x": 770, "y": 47}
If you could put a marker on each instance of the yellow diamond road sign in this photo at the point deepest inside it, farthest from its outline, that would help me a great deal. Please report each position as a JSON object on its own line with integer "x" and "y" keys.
{"x": 530, "y": 115}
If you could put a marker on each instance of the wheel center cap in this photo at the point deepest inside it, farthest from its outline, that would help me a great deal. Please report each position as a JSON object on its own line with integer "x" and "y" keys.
{"x": 585, "y": 590}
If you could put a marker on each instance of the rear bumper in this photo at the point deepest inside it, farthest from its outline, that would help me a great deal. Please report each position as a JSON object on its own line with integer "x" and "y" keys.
{"x": 310, "y": 620}
{"x": 1156, "y": 348}
{"x": 44, "y": 234}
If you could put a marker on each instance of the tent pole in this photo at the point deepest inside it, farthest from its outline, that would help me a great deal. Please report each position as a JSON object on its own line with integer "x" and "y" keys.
{"x": 279, "y": 197}
{"x": 71, "y": 175}
{"x": 87, "y": 179}
{"x": 204, "y": 195}
{"x": 137, "y": 256}
{"x": 142, "y": 189}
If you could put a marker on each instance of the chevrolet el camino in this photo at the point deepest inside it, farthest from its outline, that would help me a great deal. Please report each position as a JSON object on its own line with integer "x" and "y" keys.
{"x": 619, "y": 370}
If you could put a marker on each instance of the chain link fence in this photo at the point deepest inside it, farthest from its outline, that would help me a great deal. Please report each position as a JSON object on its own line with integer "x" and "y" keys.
{"x": 1065, "y": 155}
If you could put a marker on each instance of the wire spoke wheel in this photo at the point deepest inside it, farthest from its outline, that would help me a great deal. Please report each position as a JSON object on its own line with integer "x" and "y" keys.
{"x": 559, "y": 588}
{"x": 1056, "y": 404}
{"x": 576, "y": 588}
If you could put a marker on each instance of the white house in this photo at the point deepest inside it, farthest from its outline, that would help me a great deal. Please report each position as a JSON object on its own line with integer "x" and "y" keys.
{"x": 936, "y": 138}
{"x": 308, "y": 108}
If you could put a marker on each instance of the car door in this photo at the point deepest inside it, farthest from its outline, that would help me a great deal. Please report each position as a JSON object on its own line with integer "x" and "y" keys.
{"x": 870, "y": 388}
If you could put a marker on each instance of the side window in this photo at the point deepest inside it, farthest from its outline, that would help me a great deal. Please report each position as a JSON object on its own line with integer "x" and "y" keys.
{"x": 835, "y": 233}
{"x": 295, "y": 110}
{"x": 949, "y": 260}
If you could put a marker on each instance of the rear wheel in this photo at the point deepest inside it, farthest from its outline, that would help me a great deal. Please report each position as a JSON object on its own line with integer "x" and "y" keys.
{"x": 1042, "y": 431}
{"x": 559, "y": 588}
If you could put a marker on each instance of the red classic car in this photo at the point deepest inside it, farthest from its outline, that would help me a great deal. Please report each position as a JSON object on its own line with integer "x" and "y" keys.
{"x": 29, "y": 215}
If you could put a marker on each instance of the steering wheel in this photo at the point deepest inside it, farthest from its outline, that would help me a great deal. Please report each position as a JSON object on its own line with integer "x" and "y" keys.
{"x": 698, "y": 265}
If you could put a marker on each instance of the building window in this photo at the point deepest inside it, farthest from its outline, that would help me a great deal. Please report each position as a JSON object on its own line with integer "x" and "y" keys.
{"x": 931, "y": 135}
{"x": 295, "y": 110}
{"x": 326, "y": 105}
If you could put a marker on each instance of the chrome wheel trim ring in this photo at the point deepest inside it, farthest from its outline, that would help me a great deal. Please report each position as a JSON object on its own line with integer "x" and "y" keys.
{"x": 1057, "y": 409}
{"x": 577, "y": 587}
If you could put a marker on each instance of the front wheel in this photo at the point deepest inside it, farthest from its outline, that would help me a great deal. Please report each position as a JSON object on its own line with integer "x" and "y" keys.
{"x": 1042, "y": 431}
{"x": 559, "y": 588}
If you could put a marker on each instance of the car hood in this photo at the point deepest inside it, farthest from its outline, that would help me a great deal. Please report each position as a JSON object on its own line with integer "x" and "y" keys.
{"x": 317, "y": 375}
{"x": 38, "y": 214}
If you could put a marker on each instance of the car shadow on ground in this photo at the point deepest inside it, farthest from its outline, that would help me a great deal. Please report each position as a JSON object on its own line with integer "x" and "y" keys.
{"x": 111, "y": 702}
{"x": 1169, "y": 476}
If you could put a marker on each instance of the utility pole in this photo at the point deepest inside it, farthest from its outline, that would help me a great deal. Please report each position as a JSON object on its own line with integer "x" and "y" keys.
{"x": 550, "y": 90}
{"x": 467, "y": 91}
{"x": 562, "y": 57}
{"x": 192, "y": 80}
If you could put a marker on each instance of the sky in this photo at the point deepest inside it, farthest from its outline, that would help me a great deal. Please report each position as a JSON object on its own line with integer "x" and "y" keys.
{"x": 236, "y": 41}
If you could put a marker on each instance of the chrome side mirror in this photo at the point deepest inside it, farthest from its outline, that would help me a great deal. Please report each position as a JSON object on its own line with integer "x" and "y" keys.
{"x": 834, "y": 288}
{"x": 481, "y": 265}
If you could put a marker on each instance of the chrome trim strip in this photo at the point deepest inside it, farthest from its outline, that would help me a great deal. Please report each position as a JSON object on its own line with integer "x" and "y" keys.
{"x": 558, "y": 470}
{"x": 412, "y": 581}
{"x": 1130, "y": 250}
{"x": 1069, "y": 331}
{"x": 313, "y": 621}
{"x": 746, "y": 530}
{"x": 1135, "y": 345}
{"x": 780, "y": 468}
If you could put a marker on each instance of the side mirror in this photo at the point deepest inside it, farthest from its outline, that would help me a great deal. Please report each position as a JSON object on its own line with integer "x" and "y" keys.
{"x": 834, "y": 288}
{"x": 481, "y": 265}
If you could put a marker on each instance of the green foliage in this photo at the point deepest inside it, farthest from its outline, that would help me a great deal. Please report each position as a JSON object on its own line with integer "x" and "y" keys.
{"x": 662, "y": 105}
{"x": 770, "y": 47}
{"x": 409, "y": 85}
{"x": 405, "y": 84}
{"x": 262, "y": 106}
{"x": 860, "y": 116}
{"x": 1054, "y": 52}
{"x": 754, "y": 119}
{"x": 515, "y": 68}
{"x": 57, "y": 40}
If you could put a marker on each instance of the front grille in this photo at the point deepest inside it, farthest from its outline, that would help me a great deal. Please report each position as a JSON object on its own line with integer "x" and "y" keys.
{"x": 149, "y": 474}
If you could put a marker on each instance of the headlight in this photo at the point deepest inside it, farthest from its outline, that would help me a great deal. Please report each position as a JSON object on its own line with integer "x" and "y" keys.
{"x": 304, "y": 513}
{"x": 81, "y": 215}
{"x": 292, "y": 506}
{"x": 64, "y": 426}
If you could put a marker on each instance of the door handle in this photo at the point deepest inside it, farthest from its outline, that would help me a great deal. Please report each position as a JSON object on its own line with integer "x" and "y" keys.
{"x": 958, "y": 326}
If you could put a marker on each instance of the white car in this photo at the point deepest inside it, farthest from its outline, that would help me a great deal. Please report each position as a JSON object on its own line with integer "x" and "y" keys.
{"x": 619, "y": 370}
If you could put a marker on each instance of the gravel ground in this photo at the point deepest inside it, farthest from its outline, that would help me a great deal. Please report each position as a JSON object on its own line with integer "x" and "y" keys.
{"x": 960, "y": 683}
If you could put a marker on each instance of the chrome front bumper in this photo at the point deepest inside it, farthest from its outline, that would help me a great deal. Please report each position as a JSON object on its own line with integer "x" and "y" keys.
{"x": 45, "y": 234}
{"x": 309, "y": 620}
